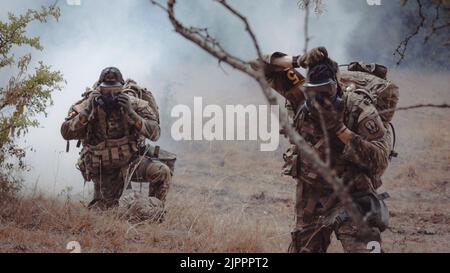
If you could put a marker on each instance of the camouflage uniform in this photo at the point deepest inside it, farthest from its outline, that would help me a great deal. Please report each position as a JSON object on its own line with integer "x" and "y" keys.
{"x": 359, "y": 163}
{"x": 111, "y": 149}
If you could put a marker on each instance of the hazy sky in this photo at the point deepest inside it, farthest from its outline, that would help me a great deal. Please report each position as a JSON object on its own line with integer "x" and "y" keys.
{"x": 138, "y": 38}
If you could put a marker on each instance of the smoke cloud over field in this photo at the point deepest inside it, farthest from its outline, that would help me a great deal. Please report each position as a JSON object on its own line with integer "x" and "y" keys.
{"x": 381, "y": 30}
{"x": 138, "y": 38}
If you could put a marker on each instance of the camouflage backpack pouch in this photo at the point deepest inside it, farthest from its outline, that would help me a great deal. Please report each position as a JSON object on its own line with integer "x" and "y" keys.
{"x": 384, "y": 93}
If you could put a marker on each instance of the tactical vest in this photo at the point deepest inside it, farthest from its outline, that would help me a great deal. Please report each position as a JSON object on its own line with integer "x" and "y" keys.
{"x": 109, "y": 154}
{"x": 101, "y": 152}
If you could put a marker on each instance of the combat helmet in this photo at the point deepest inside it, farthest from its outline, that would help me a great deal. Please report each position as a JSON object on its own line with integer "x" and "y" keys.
{"x": 111, "y": 77}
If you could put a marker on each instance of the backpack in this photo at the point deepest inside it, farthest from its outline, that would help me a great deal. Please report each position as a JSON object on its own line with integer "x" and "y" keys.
{"x": 133, "y": 89}
{"x": 383, "y": 93}
{"x": 374, "y": 69}
{"x": 153, "y": 152}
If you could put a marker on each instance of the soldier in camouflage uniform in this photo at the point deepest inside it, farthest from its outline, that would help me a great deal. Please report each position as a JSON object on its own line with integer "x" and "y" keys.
{"x": 112, "y": 127}
{"x": 358, "y": 147}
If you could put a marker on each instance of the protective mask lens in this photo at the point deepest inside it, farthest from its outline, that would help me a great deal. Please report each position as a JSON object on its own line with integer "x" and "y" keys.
{"x": 322, "y": 93}
{"x": 110, "y": 89}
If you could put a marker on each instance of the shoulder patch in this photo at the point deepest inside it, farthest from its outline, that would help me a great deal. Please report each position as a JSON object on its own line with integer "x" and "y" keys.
{"x": 372, "y": 127}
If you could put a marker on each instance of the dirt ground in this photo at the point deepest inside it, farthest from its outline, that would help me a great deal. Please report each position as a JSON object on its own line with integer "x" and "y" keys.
{"x": 237, "y": 175}
{"x": 230, "y": 197}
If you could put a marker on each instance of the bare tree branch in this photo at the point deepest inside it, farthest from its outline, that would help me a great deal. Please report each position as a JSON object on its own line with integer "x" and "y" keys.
{"x": 326, "y": 137}
{"x": 417, "y": 106}
{"x": 403, "y": 46}
{"x": 435, "y": 20}
{"x": 306, "y": 4}
{"x": 210, "y": 45}
{"x": 439, "y": 4}
{"x": 306, "y": 24}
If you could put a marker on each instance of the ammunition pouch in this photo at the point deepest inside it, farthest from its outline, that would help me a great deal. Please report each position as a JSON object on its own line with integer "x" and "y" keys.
{"x": 291, "y": 165}
{"x": 109, "y": 154}
{"x": 81, "y": 166}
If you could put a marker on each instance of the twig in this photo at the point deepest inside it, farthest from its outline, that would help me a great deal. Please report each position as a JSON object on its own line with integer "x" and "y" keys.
{"x": 402, "y": 47}
{"x": 434, "y": 27}
{"x": 405, "y": 108}
{"x": 306, "y": 29}
{"x": 325, "y": 135}
{"x": 210, "y": 45}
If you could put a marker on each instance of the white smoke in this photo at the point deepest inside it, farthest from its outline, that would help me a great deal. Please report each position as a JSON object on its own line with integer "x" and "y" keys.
{"x": 138, "y": 38}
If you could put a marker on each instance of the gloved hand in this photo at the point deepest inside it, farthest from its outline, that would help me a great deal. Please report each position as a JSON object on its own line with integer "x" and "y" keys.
{"x": 125, "y": 103}
{"x": 313, "y": 57}
{"x": 332, "y": 114}
{"x": 91, "y": 102}
{"x": 95, "y": 95}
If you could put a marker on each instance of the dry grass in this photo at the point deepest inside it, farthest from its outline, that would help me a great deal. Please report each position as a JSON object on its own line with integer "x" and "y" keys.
{"x": 230, "y": 197}
{"x": 42, "y": 224}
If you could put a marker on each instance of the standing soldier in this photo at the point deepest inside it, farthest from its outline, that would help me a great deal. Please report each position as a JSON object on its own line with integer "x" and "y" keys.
{"x": 345, "y": 128}
{"x": 112, "y": 127}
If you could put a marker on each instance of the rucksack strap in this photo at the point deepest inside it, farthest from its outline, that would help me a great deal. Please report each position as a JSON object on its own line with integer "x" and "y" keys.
{"x": 393, "y": 152}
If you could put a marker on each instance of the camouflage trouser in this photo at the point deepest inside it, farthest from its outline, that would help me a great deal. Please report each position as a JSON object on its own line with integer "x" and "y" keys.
{"x": 314, "y": 228}
{"x": 108, "y": 186}
{"x": 316, "y": 238}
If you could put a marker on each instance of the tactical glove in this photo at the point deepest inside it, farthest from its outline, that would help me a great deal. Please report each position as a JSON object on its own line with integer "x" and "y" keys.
{"x": 332, "y": 114}
{"x": 313, "y": 57}
{"x": 91, "y": 102}
{"x": 95, "y": 95}
{"x": 125, "y": 103}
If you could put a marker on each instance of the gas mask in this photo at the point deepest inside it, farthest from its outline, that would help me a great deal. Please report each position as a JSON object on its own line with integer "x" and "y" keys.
{"x": 322, "y": 93}
{"x": 109, "y": 98}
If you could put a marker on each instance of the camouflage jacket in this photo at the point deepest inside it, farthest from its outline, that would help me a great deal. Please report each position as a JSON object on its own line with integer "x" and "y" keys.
{"x": 362, "y": 161}
{"x": 110, "y": 139}
{"x": 114, "y": 126}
